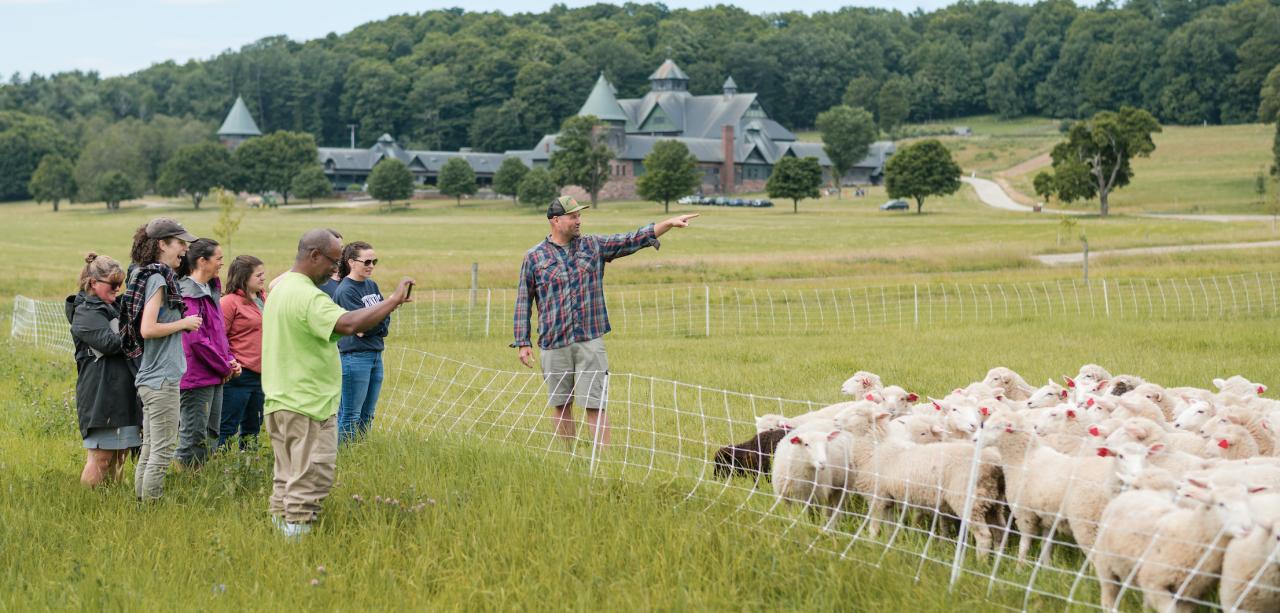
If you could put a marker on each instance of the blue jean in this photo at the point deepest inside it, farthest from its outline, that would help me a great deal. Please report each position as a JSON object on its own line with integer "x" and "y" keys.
{"x": 242, "y": 400}
{"x": 361, "y": 383}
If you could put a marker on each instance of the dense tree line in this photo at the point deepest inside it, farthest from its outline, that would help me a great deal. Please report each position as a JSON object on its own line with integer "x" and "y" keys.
{"x": 445, "y": 79}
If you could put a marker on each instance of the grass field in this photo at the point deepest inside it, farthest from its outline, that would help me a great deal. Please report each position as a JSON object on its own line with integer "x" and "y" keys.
{"x": 514, "y": 527}
{"x": 1209, "y": 169}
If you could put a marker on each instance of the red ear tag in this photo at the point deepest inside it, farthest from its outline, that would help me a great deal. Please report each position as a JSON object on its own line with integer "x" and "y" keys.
{"x": 1063, "y": 395}
{"x": 1262, "y": 389}
{"x": 937, "y": 407}
{"x": 1008, "y": 429}
{"x": 1090, "y": 403}
{"x": 1000, "y": 398}
{"x": 795, "y": 440}
{"x": 1224, "y": 444}
{"x": 1070, "y": 382}
{"x": 1093, "y": 431}
{"x": 871, "y": 398}
{"x": 1103, "y": 452}
{"x": 1071, "y": 414}
{"x": 985, "y": 411}
{"x": 912, "y": 397}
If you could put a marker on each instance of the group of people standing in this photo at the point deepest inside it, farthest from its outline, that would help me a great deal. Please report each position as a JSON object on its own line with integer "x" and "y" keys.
{"x": 181, "y": 365}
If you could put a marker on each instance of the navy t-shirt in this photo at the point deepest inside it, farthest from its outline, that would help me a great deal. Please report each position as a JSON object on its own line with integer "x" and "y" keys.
{"x": 352, "y": 295}
{"x": 329, "y": 286}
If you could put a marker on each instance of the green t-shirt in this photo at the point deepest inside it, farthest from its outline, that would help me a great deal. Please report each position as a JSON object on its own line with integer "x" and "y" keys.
{"x": 301, "y": 371}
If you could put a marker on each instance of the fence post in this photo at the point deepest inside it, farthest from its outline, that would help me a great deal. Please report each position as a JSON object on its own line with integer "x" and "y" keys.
{"x": 1106, "y": 302}
{"x": 475, "y": 282}
{"x": 706, "y": 289}
{"x": 915, "y": 291}
{"x": 488, "y": 300}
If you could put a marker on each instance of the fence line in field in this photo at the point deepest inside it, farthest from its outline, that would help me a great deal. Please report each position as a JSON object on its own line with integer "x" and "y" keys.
{"x": 706, "y": 310}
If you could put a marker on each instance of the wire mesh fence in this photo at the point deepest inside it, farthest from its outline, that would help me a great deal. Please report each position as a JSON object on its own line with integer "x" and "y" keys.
{"x": 707, "y": 310}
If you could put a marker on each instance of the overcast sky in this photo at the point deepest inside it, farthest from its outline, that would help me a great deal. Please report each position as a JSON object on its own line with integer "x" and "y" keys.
{"x": 117, "y": 37}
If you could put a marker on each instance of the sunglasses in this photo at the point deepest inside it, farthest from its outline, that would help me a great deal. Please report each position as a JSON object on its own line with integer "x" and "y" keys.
{"x": 333, "y": 261}
{"x": 115, "y": 285}
{"x": 373, "y": 262}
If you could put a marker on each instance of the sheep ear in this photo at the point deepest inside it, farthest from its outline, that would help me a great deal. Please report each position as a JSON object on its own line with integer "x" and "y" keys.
{"x": 1198, "y": 483}
{"x": 795, "y": 440}
{"x": 1218, "y": 383}
{"x": 1071, "y": 383}
{"x": 937, "y": 404}
{"x": 1257, "y": 488}
{"x": 1103, "y": 452}
{"x": 936, "y": 429}
{"x": 1135, "y": 430}
{"x": 882, "y": 415}
{"x": 832, "y": 436}
{"x": 1262, "y": 389}
{"x": 912, "y": 397}
{"x": 1154, "y": 449}
{"x": 1063, "y": 394}
{"x": 1071, "y": 414}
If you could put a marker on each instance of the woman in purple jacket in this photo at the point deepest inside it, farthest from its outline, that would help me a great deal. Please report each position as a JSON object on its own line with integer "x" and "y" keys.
{"x": 209, "y": 361}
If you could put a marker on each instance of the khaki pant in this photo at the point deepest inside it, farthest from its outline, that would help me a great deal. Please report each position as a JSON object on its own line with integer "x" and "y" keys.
{"x": 160, "y": 408}
{"x": 306, "y": 456}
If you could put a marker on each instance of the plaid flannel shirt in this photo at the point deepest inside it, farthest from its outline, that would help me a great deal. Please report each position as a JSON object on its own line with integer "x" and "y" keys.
{"x": 568, "y": 285}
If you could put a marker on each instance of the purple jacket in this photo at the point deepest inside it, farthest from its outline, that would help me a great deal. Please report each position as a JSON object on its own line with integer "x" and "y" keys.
{"x": 208, "y": 354}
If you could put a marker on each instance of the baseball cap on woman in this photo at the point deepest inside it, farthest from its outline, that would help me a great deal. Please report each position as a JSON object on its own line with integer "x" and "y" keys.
{"x": 563, "y": 206}
{"x": 166, "y": 227}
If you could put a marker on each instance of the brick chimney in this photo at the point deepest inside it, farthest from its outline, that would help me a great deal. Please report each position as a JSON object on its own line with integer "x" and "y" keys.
{"x": 727, "y": 147}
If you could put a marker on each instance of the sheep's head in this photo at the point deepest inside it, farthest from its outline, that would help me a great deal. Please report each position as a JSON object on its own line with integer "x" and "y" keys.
{"x": 1002, "y": 422}
{"x": 896, "y": 399}
{"x": 772, "y": 421}
{"x": 1001, "y": 377}
{"x": 1056, "y": 419}
{"x": 1152, "y": 392}
{"x": 814, "y": 444}
{"x": 1239, "y": 386}
{"x": 1123, "y": 384}
{"x": 964, "y": 418}
{"x": 1131, "y": 458}
{"x": 860, "y": 383}
{"x": 1231, "y": 505}
{"x": 1194, "y": 416}
{"x": 1047, "y": 396}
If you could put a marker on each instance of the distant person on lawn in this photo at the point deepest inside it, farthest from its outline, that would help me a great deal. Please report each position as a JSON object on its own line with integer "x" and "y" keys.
{"x": 564, "y": 275}
{"x": 302, "y": 377}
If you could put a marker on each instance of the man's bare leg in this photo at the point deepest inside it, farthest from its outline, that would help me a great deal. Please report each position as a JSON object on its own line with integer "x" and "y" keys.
{"x": 598, "y": 422}
{"x": 562, "y": 416}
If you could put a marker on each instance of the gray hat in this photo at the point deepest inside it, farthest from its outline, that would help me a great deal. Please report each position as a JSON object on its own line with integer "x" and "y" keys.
{"x": 563, "y": 206}
{"x": 167, "y": 227}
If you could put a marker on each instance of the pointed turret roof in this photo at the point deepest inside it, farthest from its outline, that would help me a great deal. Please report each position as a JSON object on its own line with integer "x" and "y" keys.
{"x": 602, "y": 103}
{"x": 668, "y": 70}
{"x": 239, "y": 122}
{"x": 730, "y": 85}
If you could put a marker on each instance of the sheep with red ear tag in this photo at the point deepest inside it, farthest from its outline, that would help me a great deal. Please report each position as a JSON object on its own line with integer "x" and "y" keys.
{"x": 811, "y": 468}
{"x": 1251, "y": 564}
{"x": 861, "y": 383}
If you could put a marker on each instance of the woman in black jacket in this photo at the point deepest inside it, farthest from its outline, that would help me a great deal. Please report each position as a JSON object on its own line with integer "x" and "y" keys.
{"x": 106, "y": 399}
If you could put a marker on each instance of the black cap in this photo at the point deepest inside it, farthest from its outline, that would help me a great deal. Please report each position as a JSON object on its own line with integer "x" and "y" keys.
{"x": 563, "y": 206}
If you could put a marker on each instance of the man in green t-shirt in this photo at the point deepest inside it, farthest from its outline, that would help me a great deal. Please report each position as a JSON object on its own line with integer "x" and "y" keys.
{"x": 302, "y": 377}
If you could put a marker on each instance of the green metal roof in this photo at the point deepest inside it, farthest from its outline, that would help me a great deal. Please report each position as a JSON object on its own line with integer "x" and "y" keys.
{"x": 239, "y": 122}
{"x": 602, "y": 103}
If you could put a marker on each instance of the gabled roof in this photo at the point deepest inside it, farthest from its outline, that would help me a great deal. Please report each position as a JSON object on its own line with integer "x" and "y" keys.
{"x": 668, "y": 70}
{"x": 602, "y": 103}
{"x": 239, "y": 122}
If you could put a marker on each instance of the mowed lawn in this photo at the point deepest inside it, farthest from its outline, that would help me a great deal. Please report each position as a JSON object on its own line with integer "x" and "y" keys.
{"x": 829, "y": 243}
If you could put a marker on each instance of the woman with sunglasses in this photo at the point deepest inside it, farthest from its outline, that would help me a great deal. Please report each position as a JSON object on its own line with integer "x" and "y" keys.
{"x": 362, "y": 353}
{"x": 106, "y": 401}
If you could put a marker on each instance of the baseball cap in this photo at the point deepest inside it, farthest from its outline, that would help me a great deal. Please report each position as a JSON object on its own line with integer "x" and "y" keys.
{"x": 167, "y": 227}
{"x": 563, "y": 206}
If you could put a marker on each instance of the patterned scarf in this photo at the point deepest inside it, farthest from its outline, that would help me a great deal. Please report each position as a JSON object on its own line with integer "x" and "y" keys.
{"x": 135, "y": 298}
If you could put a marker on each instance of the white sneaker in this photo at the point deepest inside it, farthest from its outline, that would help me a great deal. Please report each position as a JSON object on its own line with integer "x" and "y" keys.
{"x": 277, "y": 522}
{"x": 294, "y": 531}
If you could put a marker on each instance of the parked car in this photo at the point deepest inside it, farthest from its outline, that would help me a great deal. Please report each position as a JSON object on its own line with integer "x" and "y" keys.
{"x": 895, "y": 205}
{"x": 688, "y": 200}
{"x": 722, "y": 201}
{"x": 706, "y": 200}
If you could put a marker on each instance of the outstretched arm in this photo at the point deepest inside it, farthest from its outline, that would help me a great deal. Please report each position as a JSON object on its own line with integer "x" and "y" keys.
{"x": 680, "y": 221}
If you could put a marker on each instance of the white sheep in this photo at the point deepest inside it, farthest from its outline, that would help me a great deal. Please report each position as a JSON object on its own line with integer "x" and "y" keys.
{"x": 1013, "y": 385}
{"x": 1127, "y": 529}
{"x": 1153, "y": 438}
{"x": 1043, "y": 486}
{"x": 1230, "y": 442}
{"x": 1185, "y": 556}
{"x": 1063, "y": 428}
{"x": 894, "y": 399}
{"x": 919, "y": 429}
{"x": 1138, "y": 406}
{"x": 811, "y": 467}
{"x": 1196, "y": 415}
{"x": 1251, "y": 564}
{"x": 1169, "y": 404}
{"x": 1120, "y": 385}
{"x": 935, "y": 476}
{"x": 1239, "y": 386}
{"x": 860, "y": 383}
{"x": 1050, "y": 395}
{"x": 773, "y": 421}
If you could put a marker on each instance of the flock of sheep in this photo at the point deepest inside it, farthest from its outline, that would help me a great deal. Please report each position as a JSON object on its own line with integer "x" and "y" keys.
{"x": 1166, "y": 490}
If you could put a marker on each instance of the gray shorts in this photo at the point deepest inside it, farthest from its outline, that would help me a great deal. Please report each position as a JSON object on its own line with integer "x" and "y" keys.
{"x": 578, "y": 370}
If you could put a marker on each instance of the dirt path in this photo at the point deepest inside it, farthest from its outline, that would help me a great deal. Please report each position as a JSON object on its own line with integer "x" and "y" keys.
{"x": 1059, "y": 259}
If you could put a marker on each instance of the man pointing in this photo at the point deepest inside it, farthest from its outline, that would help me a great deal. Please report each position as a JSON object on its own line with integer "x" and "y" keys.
{"x": 564, "y": 275}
